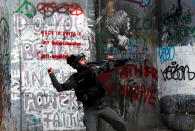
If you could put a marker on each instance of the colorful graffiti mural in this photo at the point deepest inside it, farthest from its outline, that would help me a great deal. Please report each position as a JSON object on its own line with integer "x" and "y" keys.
{"x": 153, "y": 84}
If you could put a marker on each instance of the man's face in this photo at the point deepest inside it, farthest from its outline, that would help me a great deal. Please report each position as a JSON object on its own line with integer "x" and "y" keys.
{"x": 110, "y": 7}
{"x": 83, "y": 61}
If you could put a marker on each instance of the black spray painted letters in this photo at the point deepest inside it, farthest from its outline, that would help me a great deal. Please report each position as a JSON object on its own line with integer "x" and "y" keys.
{"x": 176, "y": 72}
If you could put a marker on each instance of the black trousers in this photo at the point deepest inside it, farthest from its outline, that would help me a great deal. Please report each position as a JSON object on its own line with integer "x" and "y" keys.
{"x": 92, "y": 114}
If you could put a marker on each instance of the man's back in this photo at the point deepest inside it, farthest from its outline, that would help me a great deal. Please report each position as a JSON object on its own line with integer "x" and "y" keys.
{"x": 89, "y": 88}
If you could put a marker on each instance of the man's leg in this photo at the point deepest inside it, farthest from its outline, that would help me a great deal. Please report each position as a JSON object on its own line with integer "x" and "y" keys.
{"x": 90, "y": 120}
{"x": 113, "y": 119}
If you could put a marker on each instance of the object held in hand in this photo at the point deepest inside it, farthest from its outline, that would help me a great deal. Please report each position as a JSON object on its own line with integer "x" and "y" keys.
{"x": 50, "y": 70}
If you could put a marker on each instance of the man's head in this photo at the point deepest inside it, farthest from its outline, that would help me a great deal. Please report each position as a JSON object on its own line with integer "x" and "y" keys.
{"x": 82, "y": 61}
{"x": 77, "y": 61}
{"x": 110, "y": 8}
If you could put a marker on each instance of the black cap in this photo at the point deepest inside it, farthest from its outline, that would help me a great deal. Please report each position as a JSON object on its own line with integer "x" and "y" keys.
{"x": 72, "y": 60}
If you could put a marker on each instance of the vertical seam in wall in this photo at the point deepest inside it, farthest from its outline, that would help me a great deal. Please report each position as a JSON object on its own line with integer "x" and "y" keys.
{"x": 20, "y": 62}
{"x": 158, "y": 21}
{"x": 99, "y": 22}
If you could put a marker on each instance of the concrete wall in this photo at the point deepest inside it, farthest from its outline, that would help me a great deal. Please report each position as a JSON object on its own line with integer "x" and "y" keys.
{"x": 36, "y": 35}
{"x": 5, "y": 106}
{"x": 131, "y": 88}
{"x": 176, "y": 63}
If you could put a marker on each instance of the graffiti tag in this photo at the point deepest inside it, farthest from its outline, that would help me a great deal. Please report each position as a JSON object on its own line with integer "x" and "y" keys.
{"x": 48, "y": 9}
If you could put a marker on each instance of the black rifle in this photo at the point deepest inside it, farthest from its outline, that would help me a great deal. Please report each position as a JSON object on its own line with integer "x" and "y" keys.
{"x": 108, "y": 65}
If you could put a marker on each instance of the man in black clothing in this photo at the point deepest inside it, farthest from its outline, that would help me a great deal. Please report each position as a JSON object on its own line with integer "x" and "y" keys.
{"x": 90, "y": 92}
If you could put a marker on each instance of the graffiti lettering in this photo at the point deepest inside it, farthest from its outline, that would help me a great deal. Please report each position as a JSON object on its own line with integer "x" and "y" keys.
{"x": 42, "y": 100}
{"x": 30, "y": 51}
{"x": 177, "y": 72}
{"x": 142, "y": 71}
{"x": 126, "y": 71}
{"x": 32, "y": 79}
{"x": 60, "y": 33}
{"x": 41, "y": 50}
{"x": 57, "y": 57}
{"x": 62, "y": 120}
{"x": 21, "y": 23}
{"x": 48, "y": 9}
{"x": 135, "y": 93}
{"x": 166, "y": 54}
{"x": 65, "y": 43}
{"x": 62, "y": 43}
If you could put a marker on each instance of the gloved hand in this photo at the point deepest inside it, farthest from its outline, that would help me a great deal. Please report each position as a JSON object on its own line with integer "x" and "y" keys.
{"x": 123, "y": 41}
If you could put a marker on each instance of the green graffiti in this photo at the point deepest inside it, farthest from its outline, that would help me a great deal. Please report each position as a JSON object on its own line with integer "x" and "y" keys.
{"x": 6, "y": 60}
{"x": 168, "y": 19}
{"x": 176, "y": 26}
{"x": 180, "y": 33}
{"x": 25, "y": 5}
{"x": 193, "y": 32}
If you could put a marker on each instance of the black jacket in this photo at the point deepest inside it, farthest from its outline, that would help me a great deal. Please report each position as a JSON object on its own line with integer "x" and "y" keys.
{"x": 87, "y": 86}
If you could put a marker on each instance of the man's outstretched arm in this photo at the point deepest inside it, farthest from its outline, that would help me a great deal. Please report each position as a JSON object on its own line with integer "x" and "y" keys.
{"x": 68, "y": 85}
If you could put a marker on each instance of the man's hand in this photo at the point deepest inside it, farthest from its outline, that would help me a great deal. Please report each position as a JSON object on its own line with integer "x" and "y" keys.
{"x": 50, "y": 70}
{"x": 110, "y": 58}
{"x": 123, "y": 41}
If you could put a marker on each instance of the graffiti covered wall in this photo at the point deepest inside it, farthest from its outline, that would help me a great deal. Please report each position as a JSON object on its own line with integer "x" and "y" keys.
{"x": 152, "y": 91}
{"x": 45, "y": 33}
{"x": 128, "y": 29}
{"x": 175, "y": 64}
